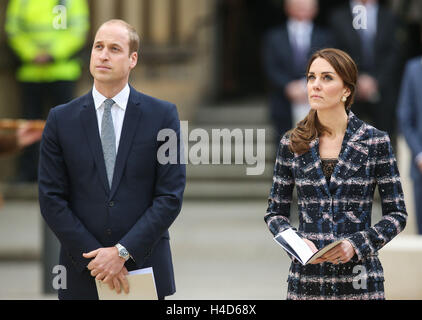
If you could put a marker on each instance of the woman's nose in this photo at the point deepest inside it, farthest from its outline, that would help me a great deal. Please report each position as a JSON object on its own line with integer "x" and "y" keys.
{"x": 316, "y": 84}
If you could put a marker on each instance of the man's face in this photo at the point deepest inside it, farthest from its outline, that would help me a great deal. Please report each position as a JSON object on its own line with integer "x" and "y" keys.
{"x": 111, "y": 62}
{"x": 302, "y": 10}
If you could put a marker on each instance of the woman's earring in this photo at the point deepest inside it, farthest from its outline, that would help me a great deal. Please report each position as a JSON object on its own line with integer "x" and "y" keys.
{"x": 343, "y": 98}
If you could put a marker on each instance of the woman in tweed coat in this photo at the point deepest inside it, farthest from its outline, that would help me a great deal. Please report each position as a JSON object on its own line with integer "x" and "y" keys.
{"x": 336, "y": 204}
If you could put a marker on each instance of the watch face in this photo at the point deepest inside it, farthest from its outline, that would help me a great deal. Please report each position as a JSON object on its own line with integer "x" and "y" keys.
{"x": 124, "y": 253}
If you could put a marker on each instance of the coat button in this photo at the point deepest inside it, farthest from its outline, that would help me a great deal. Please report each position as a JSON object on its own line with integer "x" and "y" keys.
{"x": 111, "y": 204}
{"x": 108, "y": 232}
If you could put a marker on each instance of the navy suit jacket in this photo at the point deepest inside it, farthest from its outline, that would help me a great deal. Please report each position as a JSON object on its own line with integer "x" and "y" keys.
{"x": 409, "y": 110}
{"x": 85, "y": 213}
{"x": 279, "y": 66}
{"x": 386, "y": 47}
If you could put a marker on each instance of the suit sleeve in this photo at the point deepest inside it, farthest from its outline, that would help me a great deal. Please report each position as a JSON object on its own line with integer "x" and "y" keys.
{"x": 406, "y": 111}
{"x": 394, "y": 214}
{"x": 168, "y": 195}
{"x": 53, "y": 193}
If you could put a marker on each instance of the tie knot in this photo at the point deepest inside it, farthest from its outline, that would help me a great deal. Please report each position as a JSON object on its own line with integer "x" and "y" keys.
{"x": 108, "y": 104}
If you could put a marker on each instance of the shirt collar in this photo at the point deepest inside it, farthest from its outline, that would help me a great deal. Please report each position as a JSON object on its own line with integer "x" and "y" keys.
{"x": 120, "y": 99}
{"x": 297, "y": 25}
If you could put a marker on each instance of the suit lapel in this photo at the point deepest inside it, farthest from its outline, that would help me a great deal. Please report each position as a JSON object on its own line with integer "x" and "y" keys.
{"x": 316, "y": 41}
{"x": 130, "y": 125}
{"x": 89, "y": 121}
{"x": 353, "y": 34}
{"x": 382, "y": 34}
{"x": 285, "y": 44}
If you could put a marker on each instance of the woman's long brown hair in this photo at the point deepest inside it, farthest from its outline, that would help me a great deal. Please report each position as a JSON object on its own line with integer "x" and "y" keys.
{"x": 310, "y": 128}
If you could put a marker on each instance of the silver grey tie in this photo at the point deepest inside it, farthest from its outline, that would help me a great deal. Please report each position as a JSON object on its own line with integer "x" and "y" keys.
{"x": 108, "y": 139}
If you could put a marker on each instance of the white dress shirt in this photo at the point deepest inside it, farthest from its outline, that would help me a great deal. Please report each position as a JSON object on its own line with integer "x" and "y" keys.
{"x": 300, "y": 33}
{"x": 117, "y": 110}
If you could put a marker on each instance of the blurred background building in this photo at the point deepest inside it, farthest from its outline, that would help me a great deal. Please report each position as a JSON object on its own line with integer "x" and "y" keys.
{"x": 205, "y": 56}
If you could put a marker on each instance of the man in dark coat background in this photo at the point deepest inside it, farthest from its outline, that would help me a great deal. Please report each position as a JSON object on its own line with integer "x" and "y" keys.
{"x": 286, "y": 50}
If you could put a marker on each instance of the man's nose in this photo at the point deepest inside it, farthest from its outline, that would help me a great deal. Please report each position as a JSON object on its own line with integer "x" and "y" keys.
{"x": 104, "y": 54}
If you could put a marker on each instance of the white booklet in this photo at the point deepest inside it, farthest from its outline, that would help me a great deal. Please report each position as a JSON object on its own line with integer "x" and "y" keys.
{"x": 293, "y": 244}
{"x": 141, "y": 287}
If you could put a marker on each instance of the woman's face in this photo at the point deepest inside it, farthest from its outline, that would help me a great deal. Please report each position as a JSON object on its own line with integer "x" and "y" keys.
{"x": 325, "y": 87}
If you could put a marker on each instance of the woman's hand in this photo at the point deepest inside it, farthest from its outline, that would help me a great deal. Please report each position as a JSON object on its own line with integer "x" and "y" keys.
{"x": 341, "y": 253}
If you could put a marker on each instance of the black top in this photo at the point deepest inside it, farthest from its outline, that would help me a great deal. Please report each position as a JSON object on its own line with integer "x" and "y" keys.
{"x": 328, "y": 166}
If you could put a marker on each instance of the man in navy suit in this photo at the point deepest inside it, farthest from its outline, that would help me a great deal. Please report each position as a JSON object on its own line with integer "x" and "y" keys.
{"x": 102, "y": 189}
{"x": 409, "y": 114}
{"x": 375, "y": 46}
{"x": 286, "y": 50}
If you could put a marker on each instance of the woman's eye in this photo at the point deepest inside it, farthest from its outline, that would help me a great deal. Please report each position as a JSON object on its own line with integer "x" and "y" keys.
{"x": 328, "y": 78}
{"x": 311, "y": 77}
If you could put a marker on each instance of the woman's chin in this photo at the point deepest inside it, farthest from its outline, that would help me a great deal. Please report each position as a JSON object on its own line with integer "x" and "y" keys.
{"x": 318, "y": 106}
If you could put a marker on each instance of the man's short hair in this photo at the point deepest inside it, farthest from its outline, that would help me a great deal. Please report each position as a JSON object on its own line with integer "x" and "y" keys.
{"x": 134, "y": 40}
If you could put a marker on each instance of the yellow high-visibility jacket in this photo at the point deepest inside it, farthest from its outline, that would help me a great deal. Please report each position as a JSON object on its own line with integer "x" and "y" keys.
{"x": 55, "y": 27}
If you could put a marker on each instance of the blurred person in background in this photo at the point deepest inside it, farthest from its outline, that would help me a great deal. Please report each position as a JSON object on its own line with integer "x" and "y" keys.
{"x": 46, "y": 36}
{"x": 368, "y": 32}
{"x": 23, "y": 137}
{"x": 286, "y": 49}
{"x": 14, "y": 142}
{"x": 409, "y": 114}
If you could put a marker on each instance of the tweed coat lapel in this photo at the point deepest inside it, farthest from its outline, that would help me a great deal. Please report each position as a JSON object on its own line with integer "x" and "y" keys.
{"x": 309, "y": 163}
{"x": 353, "y": 155}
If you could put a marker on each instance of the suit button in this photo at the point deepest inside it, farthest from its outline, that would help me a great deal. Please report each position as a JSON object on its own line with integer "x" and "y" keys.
{"x": 108, "y": 232}
{"x": 111, "y": 204}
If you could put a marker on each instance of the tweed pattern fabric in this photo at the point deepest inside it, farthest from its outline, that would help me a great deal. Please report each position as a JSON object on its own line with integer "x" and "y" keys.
{"x": 339, "y": 209}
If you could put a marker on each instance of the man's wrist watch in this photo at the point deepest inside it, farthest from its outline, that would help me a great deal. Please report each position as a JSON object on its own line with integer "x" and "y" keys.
{"x": 123, "y": 253}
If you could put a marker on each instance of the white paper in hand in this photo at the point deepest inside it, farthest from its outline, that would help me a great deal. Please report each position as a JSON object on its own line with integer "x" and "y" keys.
{"x": 300, "y": 246}
{"x": 141, "y": 287}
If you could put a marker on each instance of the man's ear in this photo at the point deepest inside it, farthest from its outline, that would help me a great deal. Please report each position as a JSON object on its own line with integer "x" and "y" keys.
{"x": 134, "y": 59}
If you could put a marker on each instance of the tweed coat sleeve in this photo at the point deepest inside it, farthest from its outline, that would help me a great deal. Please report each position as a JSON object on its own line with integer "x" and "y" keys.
{"x": 394, "y": 216}
{"x": 280, "y": 198}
